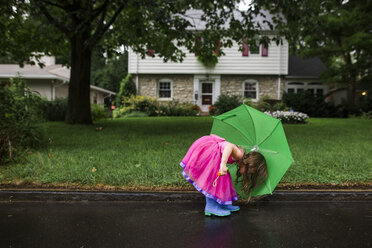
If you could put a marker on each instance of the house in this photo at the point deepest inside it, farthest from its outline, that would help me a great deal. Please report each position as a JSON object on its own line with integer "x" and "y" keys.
{"x": 253, "y": 73}
{"x": 50, "y": 81}
{"x": 303, "y": 74}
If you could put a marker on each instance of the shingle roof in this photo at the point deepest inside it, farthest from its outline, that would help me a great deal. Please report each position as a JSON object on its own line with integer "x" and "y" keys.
{"x": 35, "y": 72}
{"x": 194, "y": 17}
{"x": 28, "y": 71}
{"x": 310, "y": 67}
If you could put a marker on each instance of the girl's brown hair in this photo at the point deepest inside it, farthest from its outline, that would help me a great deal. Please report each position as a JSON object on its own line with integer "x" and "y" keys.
{"x": 255, "y": 171}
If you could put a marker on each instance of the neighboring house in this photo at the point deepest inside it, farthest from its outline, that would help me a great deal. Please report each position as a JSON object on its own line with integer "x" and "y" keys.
{"x": 303, "y": 74}
{"x": 253, "y": 73}
{"x": 50, "y": 81}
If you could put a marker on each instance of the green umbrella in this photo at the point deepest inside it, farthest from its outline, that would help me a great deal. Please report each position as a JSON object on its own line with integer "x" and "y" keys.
{"x": 252, "y": 129}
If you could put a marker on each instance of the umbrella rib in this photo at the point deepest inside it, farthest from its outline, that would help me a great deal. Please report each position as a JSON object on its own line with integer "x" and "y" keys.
{"x": 254, "y": 128}
{"x": 277, "y": 124}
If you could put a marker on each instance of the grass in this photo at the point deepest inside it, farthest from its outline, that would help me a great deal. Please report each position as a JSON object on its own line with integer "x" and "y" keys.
{"x": 145, "y": 152}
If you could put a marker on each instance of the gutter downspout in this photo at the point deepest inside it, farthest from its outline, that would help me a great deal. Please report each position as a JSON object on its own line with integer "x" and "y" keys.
{"x": 137, "y": 86}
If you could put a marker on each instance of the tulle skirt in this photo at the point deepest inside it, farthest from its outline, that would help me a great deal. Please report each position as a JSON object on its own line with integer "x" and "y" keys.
{"x": 201, "y": 164}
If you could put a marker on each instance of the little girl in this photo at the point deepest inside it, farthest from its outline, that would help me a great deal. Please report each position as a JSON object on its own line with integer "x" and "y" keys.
{"x": 206, "y": 157}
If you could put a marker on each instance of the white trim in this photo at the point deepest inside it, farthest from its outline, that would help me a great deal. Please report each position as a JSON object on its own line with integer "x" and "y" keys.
{"x": 30, "y": 76}
{"x": 164, "y": 80}
{"x": 137, "y": 84}
{"x": 216, "y": 89}
{"x": 257, "y": 88}
{"x": 92, "y": 87}
{"x": 279, "y": 69}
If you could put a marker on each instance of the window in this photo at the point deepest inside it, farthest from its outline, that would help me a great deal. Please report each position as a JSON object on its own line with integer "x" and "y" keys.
{"x": 313, "y": 87}
{"x": 95, "y": 98}
{"x": 295, "y": 87}
{"x": 319, "y": 92}
{"x": 254, "y": 48}
{"x": 199, "y": 43}
{"x": 250, "y": 89}
{"x": 165, "y": 89}
{"x": 316, "y": 88}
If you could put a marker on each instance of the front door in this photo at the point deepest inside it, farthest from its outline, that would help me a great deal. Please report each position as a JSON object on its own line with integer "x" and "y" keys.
{"x": 206, "y": 95}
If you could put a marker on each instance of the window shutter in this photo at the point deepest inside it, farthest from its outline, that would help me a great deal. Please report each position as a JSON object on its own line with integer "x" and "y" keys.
{"x": 217, "y": 51}
{"x": 265, "y": 50}
{"x": 150, "y": 52}
{"x": 198, "y": 41}
{"x": 245, "y": 49}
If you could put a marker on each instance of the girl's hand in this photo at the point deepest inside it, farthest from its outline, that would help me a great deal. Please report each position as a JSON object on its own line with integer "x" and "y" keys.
{"x": 223, "y": 169}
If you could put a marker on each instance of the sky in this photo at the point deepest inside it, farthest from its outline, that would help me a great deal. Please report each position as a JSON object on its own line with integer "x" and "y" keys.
{"x": 243, "y": 5}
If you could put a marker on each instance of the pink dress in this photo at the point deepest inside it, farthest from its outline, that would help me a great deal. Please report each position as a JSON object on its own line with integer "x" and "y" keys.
{"x": 201, "y": 164}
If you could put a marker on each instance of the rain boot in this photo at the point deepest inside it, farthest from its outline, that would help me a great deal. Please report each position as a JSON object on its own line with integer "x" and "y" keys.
{"x": 213, "y": 208}
{"x": 231, "y": 208}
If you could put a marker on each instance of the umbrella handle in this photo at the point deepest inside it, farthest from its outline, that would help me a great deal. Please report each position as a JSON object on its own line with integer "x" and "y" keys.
{"x": 218, "y": 175}
{"x": 215, "y": 181}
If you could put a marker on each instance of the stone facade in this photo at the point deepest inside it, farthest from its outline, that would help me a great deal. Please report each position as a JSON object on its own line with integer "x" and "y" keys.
{"x": 182, "y": 86}
{"x": 267, "y": 85}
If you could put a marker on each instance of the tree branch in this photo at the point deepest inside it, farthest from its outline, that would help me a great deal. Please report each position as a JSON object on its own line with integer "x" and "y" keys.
{"x": 54, "y": 4}
{"x": 54, "y": 21}
{"x": 101, "y": 29}
{"x": 97, "y": 11}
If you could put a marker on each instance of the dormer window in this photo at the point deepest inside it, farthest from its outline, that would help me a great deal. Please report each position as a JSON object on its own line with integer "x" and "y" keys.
{"x": 254, "y": 49}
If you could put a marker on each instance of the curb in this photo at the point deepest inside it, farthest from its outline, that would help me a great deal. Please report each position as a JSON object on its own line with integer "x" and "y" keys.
{"x": 75, "y": 196}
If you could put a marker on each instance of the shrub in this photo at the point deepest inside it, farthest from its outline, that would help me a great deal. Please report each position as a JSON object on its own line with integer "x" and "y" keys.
{"x": 289, "y": 117}
{"x": 226, "y": 103}
{"x": 366, "y": 115}
{"x": 212, "y": 110}
{"x": 136, "y": 114}
{"x": 364, "y": 104}
{"x": 54, "y": 110}
{"x": 263, "y": 106}
{"x": 97, "y": 111}
{"x": 136, "y": 103}
{"x": 127, "y": 88}
{"x": 174, "y": 108}
{"x": 313, "y": 105}
{"x": 19, "y": 116}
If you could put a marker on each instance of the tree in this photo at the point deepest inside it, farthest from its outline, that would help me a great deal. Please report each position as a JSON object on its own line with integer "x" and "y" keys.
{"x": 127, "y": 88}
{"x": 337, "y": 31}
{"x": 108, "y": 70}
{"x": 163, "y": 26}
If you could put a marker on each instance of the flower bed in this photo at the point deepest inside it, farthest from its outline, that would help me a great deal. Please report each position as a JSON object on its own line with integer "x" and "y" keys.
{"x": 151, "y": 107}
{"x": 289, "y": 117}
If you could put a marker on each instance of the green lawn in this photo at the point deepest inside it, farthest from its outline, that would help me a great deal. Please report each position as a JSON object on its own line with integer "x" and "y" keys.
{"x": 145, "y": 152}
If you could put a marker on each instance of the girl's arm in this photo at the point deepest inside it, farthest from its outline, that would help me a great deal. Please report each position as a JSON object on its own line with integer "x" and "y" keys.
{"x": 229, "y": 149}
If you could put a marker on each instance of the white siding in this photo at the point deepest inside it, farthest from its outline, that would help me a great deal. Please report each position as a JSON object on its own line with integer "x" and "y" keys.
{"x": 231, "y": 63}
{"x": 43, "y": 87}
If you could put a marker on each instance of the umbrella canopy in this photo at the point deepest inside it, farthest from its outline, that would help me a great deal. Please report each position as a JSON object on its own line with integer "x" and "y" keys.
{"x": 252, "y": 129}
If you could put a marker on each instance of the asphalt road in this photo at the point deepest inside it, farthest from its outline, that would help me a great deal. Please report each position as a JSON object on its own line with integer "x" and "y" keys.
{"x": 178, "y": 224}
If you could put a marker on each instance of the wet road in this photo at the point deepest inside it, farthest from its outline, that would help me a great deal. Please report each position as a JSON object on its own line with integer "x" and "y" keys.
{"x": 177, "y": 224}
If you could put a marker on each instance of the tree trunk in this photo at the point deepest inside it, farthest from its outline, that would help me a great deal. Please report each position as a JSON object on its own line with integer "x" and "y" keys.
{"x": 78, "y": 107}
{"x": 351, "y": 93}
